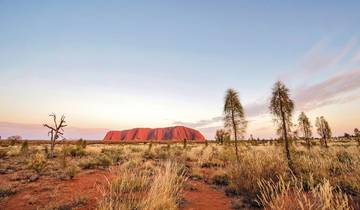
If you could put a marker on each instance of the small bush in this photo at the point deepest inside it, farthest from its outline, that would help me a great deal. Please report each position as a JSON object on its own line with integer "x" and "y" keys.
{"x": 100, "y": 161}
{"x": 344, "y": 157}
{"x": 81, "y": 143}
{"x": 71, "y": 171}
{"x": 89, "y": 163}
{"x": 103, "y": 161}
{"x": 221, "y": 179}
{"x": 116, "y": 155}
{"x": 77, "y": 151}
{"x": 6, "y": 191}
{"x": 24, "y": 147}
{"x": 37, "y": 162}
{"x": 209, "y": 165}
{"x": 3, "y": 153}
{"x": 148, "y": 155}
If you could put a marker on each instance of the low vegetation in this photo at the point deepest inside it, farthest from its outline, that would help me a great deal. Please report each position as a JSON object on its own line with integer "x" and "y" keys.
{"x": 153, "y": 176}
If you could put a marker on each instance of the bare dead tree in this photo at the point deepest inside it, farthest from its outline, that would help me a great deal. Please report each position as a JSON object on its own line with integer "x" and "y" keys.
{"x": 56, "y": 131}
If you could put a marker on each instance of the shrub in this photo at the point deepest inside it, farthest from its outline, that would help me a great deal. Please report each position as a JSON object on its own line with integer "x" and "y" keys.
{"x": 209, "y": 165}
{"x": 103, "y": 161}
{"x": 37, "y": 162}
{"x": 3, "y": 153}
{"x": 221, "y": 179}
{"x": 24, "y": 147}
{"x": 81, "y": 143}
{"x": 116, "y": 155}
{"x": 77, "y": 151}
{"x": 6, "y": 191}
{"x": 71, "y": 171}
{"x": 148, "y": 155}
{"x": 89, "y": 163}
{"x": 344, "y": 157}
{"x": 100, "y": 161}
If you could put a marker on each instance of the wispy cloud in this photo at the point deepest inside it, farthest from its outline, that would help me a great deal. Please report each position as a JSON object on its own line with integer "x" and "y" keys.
{"x": 313, "y": 95}
{"x": 199, "y": 123}
{"x": 325, "y": 93}
{"x": 322, "y": 57}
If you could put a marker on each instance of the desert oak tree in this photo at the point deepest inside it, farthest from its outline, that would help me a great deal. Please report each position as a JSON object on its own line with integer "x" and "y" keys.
{"x": 323, "y": 129}
{"x": 282, "y": 107}
{"x": 234, "y": 117}
{"x": 305, "y": 128}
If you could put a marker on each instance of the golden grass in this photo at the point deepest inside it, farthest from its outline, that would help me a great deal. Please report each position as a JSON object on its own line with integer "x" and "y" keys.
{"x": 144, "y": 187}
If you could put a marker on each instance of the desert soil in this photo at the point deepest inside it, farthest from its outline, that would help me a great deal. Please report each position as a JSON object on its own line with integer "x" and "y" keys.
{"x": 84, "y": 191}
{"x": 204, "y": 197}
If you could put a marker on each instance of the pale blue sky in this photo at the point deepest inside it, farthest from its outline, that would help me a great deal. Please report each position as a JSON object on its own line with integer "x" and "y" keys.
{"x": 122, "y": 64}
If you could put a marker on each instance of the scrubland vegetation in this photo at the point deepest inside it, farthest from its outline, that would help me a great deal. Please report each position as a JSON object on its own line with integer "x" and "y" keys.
{"x": 294, "y": 172}
{"x": 153, "y": 176}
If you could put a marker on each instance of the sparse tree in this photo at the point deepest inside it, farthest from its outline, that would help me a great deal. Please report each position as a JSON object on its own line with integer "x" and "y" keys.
{"x": 282, "y": 107}
{"x": 234, "y": 117}
{"x": 15, "y": 138}
{"x": 305, "y": 128}
{"x": 56, "y": 131}
{"x": 323, "y": 129}
{"x": 222, "y": 136}
{"x": 357, "y": 135}
{"x": 347, "y": 136}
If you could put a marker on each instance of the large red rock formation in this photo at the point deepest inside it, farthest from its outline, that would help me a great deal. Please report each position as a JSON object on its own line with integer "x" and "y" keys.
{"x": 177, "y": 133}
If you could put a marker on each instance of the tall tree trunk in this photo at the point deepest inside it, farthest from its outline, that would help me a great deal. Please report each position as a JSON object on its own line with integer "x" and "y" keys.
{"x": 325, "y": 140}
{"x": 235, "y": 135}
{"x": 307, "y": 138}
{"x": 52, "y": 145}
{"x": 287, "y": 150}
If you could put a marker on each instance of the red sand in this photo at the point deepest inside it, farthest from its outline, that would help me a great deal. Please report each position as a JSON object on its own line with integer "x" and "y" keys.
{"x": 177, "y": 133}
{"x": 205, "y": 198}
{"x": 47, "y": 190}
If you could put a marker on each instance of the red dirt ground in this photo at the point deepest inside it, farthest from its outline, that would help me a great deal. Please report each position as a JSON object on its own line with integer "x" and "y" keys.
{"x": 40, "y": 193}
{"x": 204, "y": 197}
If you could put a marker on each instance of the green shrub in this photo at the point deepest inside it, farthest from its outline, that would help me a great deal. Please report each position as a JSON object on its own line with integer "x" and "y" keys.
{"x": 37, "y": 162}
{"x": 116, "y": 155}
{"x": 89, "y": 163}
{"x": 103, "y": 161}
{"x": 100, "y": 161}
{"x": 71, "y": 171}
{"x": 77, "y": 151}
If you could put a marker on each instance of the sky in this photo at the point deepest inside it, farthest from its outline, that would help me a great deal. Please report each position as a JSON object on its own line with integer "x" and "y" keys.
{"x": 113, "y": 65}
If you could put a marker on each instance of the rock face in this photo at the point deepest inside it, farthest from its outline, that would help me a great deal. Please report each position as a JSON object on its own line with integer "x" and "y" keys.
{"x": 177, "y": 133}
